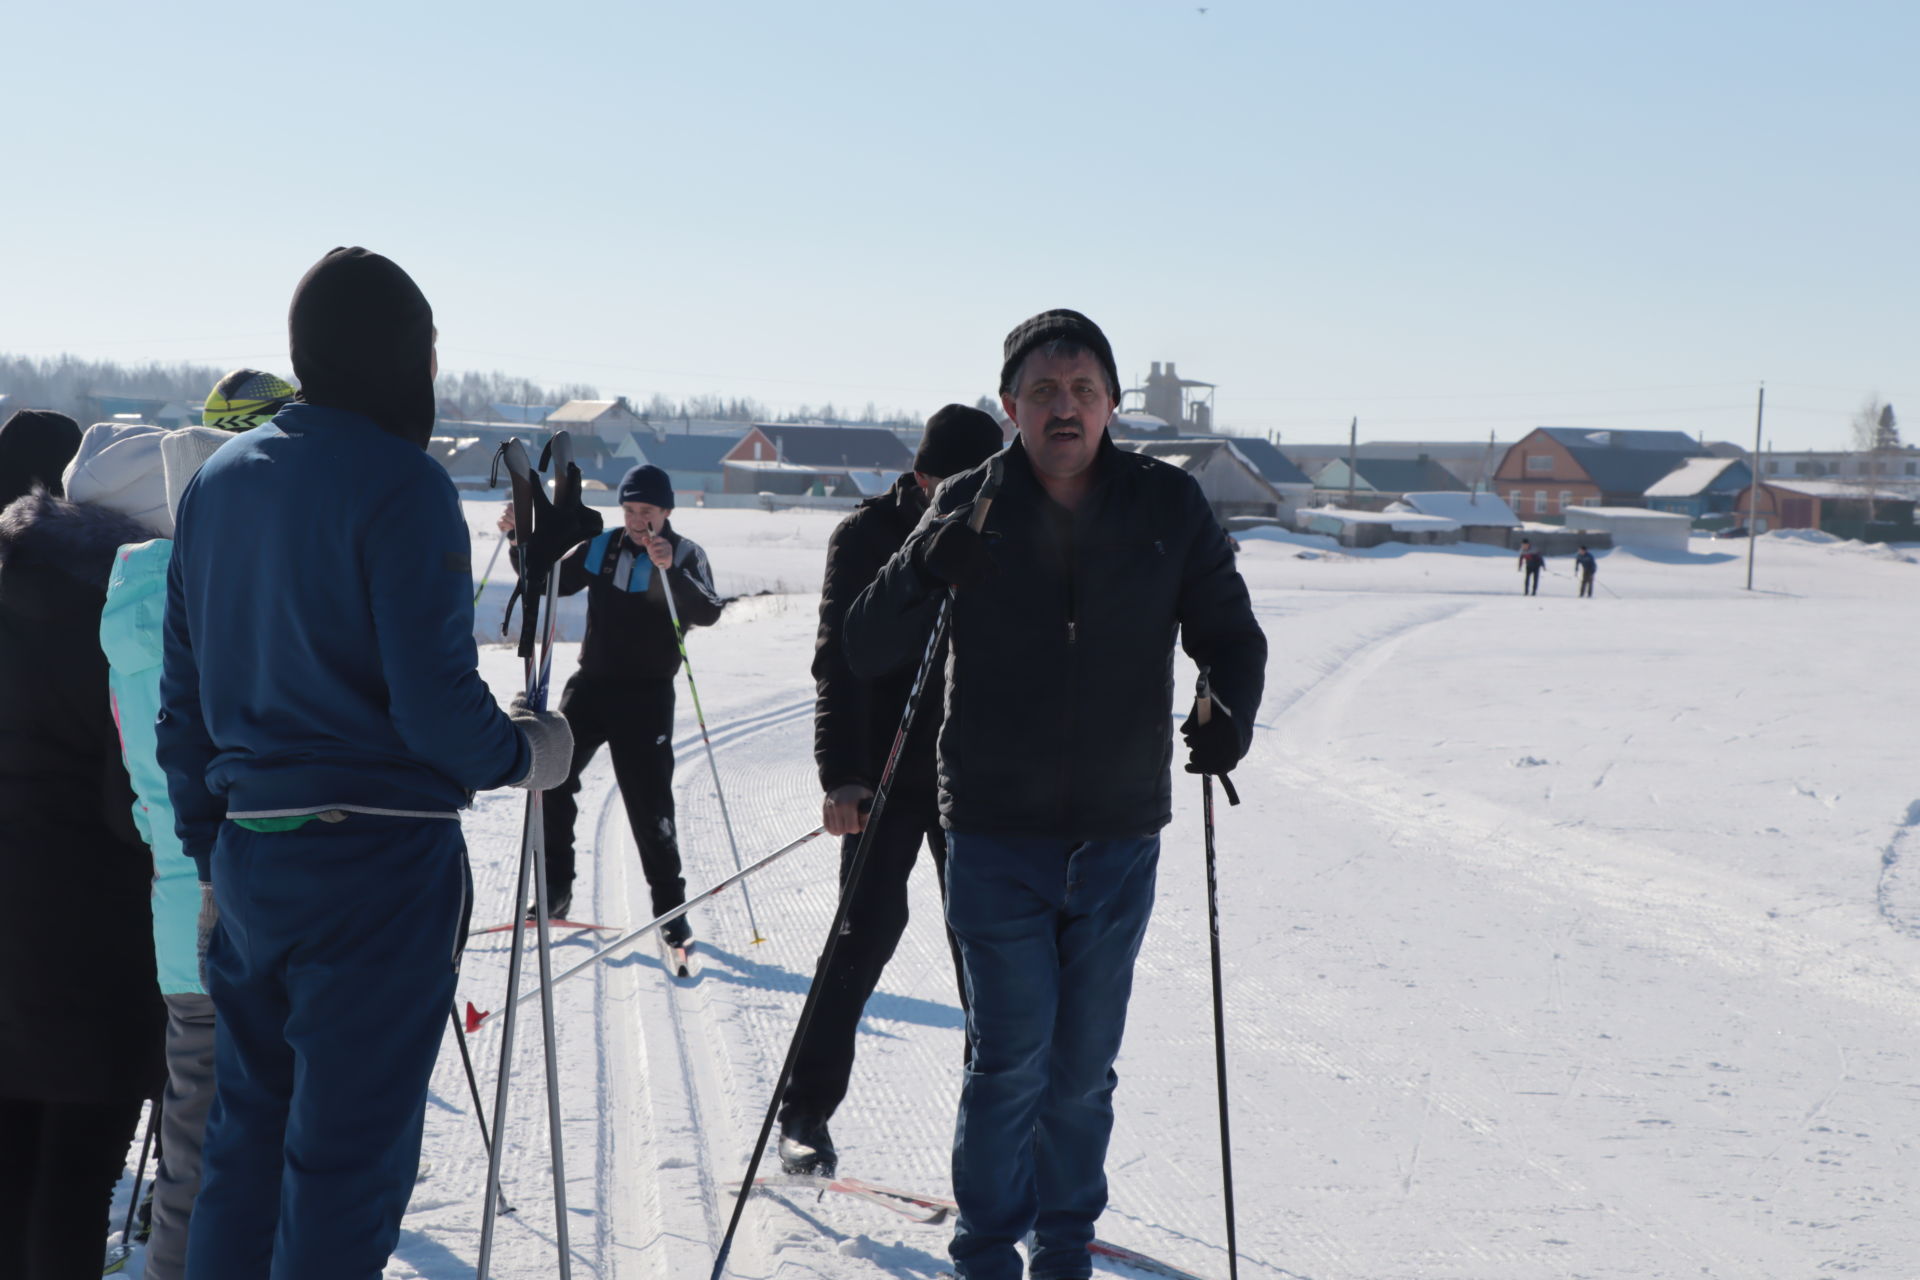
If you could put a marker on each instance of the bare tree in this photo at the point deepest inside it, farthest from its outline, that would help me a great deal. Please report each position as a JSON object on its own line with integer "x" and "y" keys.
{"x": 1876, "y": 439}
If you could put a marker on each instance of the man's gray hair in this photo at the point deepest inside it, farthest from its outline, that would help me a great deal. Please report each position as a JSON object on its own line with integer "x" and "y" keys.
{"x": 1064, "y": 349}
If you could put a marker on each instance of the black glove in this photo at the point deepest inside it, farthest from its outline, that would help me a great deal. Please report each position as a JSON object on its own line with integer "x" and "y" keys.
{"x": 956, "y": 554}
{"x": 1213, "y": 747}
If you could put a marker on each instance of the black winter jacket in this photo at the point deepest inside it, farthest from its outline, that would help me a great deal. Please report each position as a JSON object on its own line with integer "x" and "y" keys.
{"x": 629, "y": 632}
{"x": 81, "y": 1019}
{"x": 855, "y": 720}
{"x": 1059, "y": 678}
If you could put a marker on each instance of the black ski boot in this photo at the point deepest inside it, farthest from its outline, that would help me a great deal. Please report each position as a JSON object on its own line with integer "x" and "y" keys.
{"x": 807, "y": 1148}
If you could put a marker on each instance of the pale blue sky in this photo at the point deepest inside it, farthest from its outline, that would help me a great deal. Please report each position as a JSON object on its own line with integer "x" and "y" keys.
{"x": 1448, "y": 218}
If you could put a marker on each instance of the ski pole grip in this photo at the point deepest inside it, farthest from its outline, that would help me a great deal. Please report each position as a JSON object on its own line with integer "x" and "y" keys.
{"x": 988, "y": 488}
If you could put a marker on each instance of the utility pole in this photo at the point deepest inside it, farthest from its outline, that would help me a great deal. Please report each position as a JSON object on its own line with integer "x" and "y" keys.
{"x": 1353, "y": 449}
{"x": 1753, "y": 490}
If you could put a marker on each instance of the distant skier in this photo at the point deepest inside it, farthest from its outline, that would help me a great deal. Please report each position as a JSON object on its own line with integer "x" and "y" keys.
{"x": 1053, "y": 763}
{"x": 1531, "y": 562}
{"x": 132, "y": 635}
{"x": 322, "y": 724}
{"x": 854, "y": 725}
{"x": 622, "y": 695}
{"x": 81, "y": 1023}
{"x": 1585, "y": 566}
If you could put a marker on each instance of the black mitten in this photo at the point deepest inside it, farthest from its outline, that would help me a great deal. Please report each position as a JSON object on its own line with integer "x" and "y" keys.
{"x": 1213, "y": 747}
{"x": 956, "y": 553}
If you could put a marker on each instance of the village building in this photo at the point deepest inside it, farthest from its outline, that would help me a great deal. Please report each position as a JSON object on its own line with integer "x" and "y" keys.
{"x": 1482, "y": 516}
{"x": 1842, "y": 509}
{"x": 780, "y": 458}
{"x": 1636, "y": 527}
{"x": 1551, "y": 469}
{"x": 1371, "y": 484}
{"x": 1701, "y": 487}
{"x": 1233, "y": 486}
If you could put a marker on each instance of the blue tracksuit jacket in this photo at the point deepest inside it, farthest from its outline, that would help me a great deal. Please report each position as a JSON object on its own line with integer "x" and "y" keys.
{"x": 319, "y": 634}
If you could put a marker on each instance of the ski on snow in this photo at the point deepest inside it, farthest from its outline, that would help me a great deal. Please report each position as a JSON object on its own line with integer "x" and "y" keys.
{"x": 679, "y": 957}
{"x": 937, "y": 1209}
{"x": 552, "y": 923}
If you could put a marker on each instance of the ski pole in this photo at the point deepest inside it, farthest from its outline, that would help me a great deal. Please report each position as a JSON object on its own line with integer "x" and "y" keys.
{"x": 988, "y": 488}
{"x": 140, "y": 1176}
{"x": 473, "y": 1089}
{"x": 491, "y": 561}
{"x": 527, "y": 492}
{"x": 1203, "y": 712}
{"x": 680, "y": 639}
{"x": 477, "y": 1018}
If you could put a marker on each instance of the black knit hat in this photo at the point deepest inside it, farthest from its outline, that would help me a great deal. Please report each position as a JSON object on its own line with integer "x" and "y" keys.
{"x": 1045, "y": 328}
{"x": 362, "y": 338}
{"x": 35, "y": 447}
{"x": 647, "y": 484}
{"x": 957, "y": 439}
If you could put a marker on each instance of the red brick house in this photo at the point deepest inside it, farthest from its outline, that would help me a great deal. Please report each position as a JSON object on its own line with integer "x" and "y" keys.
{"x": 1553, "y": 468}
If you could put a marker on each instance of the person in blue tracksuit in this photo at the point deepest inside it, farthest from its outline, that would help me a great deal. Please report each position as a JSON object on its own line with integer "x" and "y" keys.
{"x": 321, "y": 725}
{"x": 1584, "y": 566}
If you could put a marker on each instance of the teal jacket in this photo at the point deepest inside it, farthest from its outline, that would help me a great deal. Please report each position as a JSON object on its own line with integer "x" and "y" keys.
{"x": 132, "y": 636}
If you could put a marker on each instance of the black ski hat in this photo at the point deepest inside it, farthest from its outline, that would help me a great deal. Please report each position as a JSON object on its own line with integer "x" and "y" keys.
{"x": 35, "y": 447}
{"x": 362, "y": 338}
{"x": 1045, "y": 328}
{"x": 647, "y": 484}
{"x": 957, "y": 439}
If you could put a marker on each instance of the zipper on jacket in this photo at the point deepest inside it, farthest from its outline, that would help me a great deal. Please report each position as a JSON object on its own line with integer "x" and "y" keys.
{"x": 1073, "y": 587}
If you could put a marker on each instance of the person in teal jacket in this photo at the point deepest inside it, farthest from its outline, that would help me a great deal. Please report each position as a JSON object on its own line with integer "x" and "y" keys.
{"x": 133, "y": 638}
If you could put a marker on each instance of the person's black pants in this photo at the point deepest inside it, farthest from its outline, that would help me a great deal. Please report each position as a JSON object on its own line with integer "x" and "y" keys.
{"x": 1531, "y": 586}
{"x": 60, "y": 1163}
{"x": 633, "y": 719}
{"x": 875, "y": 920}
{"x": 1586, "y": 584}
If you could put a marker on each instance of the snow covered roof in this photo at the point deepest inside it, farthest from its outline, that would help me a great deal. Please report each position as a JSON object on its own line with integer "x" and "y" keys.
{"x": 1470, "y": 510}
{"x": 1609, "y": 438}
{"x": 1633, "y": 514}
{"x": 1694, "y": 476}
{"x": 1269, "y": 461}
{"x": 871, "y": 482}
{"x": 586, "y": 411}
{"x": 1837, "y": 489}
{"x": 1405, "y": 521}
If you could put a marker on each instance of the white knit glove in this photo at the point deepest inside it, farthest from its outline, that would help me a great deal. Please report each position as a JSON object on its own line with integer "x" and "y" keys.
{"x": 552, "y": 743}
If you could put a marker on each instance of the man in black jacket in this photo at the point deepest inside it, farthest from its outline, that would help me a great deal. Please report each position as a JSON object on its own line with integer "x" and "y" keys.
{"x": 622, "y": 695}
{"x": 1053, "y": 765}
{"x": 854, "y": 725}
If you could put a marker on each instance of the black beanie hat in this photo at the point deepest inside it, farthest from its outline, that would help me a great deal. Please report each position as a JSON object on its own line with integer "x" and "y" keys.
{"x": 35, "y": 447}
{"x": 362, "y": 338}
{"x": 957, "y": 439}
{"x": 1045, "y": 328}
{"x": 647, "y": 484}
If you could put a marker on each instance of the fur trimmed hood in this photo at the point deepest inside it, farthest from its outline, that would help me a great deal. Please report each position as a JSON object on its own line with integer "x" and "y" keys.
{"x": 45, "y": 533}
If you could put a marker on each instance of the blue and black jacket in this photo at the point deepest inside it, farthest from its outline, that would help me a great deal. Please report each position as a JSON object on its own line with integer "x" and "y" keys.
{"x": 629, "y": 632}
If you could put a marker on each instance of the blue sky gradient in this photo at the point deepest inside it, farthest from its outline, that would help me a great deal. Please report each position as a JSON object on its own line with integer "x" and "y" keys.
{"x": 1447, "y": 218}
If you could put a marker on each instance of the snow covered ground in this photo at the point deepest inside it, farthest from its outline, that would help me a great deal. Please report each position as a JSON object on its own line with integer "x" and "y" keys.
{"x": 1562, "y": 938}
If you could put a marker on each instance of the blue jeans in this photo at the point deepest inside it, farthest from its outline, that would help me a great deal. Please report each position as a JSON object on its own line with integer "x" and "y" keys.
{"x": 1048, "y": 933}
{"x": 332, "y": 970}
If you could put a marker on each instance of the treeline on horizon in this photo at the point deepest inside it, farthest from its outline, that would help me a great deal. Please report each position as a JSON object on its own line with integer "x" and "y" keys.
{"x": 71, "y": 385}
